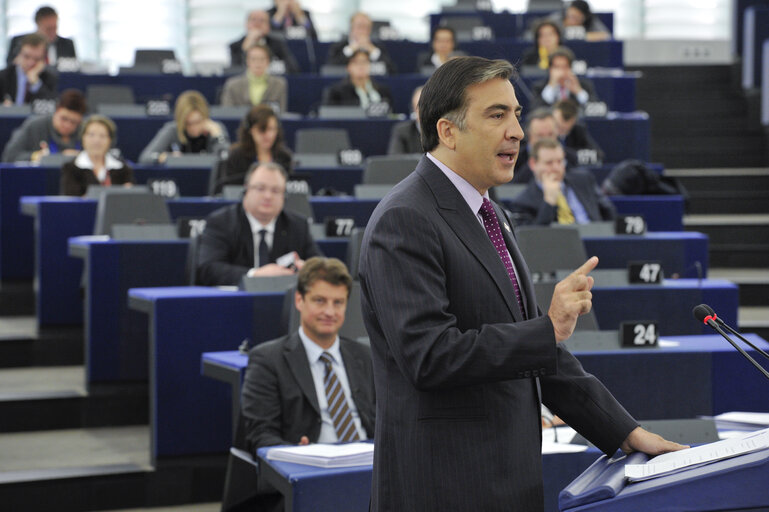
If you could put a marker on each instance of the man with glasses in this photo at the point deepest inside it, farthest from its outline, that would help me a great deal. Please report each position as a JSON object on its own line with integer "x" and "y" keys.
{"x": 39, "y": 136}
{"x": 27, "y": 79}
{"x": 256, "y": 237}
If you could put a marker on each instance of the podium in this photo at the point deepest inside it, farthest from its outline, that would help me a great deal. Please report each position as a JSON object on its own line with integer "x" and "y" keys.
{"x": 739, "y": 483}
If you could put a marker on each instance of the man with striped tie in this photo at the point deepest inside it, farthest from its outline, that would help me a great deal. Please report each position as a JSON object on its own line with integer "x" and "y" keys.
{"x": 311, "y": 386}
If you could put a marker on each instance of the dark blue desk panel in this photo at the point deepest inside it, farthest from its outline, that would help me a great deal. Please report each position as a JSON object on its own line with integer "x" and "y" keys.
{"x": 621, "y": 135}
{"x": 189, "y": 414}
{"x": 116, "y": 337}
{"x": 679, "y": 252}
{"x": 662, "y": 213}
{"x": 57, "y": 276}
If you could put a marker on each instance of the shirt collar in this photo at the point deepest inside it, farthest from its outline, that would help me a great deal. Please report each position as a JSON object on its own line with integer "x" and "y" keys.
{"x": 257, "y": 79}
{"x": 257, "y": 226}
{"x": 84, "y": 161}
{"x": 471, "y": 196}
{"x": 314, "y": 350}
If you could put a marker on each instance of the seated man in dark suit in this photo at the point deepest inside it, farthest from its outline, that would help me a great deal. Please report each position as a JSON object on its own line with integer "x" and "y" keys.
{"x": 27, "y": 79}
{"x": 540, "y": 124}
{"x": 286, "y": 14}
{"x": 311, "y": 386}
{"x": 258, "y": 31}
{"x": 359, "y": 38}
{"x": 562, "y": 83}
{"x": 554, "y": 196}
{"x": 47, "y": 22}
{"x": 406, "y": 137}
{"x": 249, "y": 237}
{"x": 574, "y": 135}
{"x": 357, "y": 89}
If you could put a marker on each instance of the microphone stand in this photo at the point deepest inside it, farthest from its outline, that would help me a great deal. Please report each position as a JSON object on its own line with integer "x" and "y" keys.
{"x": 712, "y": 323}
{"x": 741, "y": 337}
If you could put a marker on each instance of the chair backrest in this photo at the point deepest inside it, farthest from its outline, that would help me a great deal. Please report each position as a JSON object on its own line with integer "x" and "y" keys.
{"x": 341, "y": 112}
{"x": 144, "y": 232}
{"x": 353, "y": 327}
{"x": 353, "y": 251}
{"x": 547, "y": 249}
{"x": 122, "y": 110}
{"x": 389, "y": 169}
{"x": 233, "y": 192}
{"x": 316, "y": 160}
{"x": 192, "y": 160}
{"x": 463, "y": 26}
{"x": 96, "y": 191}
{"x": 55, "y": 160}
{"x": 228, "y": 112}
{"x": 267, "y": 284}
{"x": 322, "y": 140}
{"x": 365, "y": 191}
{"x": 152, "y": 57}
{"x": 299, "y": 202}
{"x": 109, "y": 95}
{"x": 509, "y": 190}
{"x": 333, "y": 70}
{"x": 117, "y": 207}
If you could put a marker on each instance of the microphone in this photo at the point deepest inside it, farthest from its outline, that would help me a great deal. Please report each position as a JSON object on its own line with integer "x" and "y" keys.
{"x": 706, "y": 315}
{"x": 723, "y": 324}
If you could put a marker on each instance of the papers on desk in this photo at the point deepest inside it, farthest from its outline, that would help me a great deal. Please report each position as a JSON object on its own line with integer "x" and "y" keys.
{"x": 748, "y": 419}
{"x": 674, "y": 462}
{"x": 326, "y": 455}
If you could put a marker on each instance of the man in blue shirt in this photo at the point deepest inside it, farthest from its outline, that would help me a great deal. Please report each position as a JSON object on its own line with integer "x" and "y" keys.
{"x": 27, "y": 79}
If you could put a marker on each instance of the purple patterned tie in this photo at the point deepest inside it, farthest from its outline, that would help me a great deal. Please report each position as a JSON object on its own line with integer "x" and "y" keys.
{"x": 491, "y": 223}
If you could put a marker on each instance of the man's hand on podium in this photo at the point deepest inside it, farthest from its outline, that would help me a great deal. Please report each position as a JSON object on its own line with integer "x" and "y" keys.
{"x": 640, "y": 440}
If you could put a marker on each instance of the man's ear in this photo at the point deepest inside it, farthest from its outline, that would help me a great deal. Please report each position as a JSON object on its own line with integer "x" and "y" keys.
{"x": 297, "y": 299}
{"x": 447, "y": 132}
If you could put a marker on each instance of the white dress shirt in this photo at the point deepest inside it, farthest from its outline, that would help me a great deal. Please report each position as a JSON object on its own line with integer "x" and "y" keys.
{"x": 256, "y": 227}
{"x": 318, "y": 370}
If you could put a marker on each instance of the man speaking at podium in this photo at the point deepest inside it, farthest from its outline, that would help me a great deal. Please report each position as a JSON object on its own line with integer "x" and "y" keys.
{"x": 462, "y": 356}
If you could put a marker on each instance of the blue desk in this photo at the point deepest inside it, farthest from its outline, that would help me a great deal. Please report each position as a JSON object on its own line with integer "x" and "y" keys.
{"x": 621, "y": 135}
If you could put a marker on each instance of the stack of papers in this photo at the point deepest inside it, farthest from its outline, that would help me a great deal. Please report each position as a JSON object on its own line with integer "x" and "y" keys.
{"x": 326, "y": 455}
{"x": 742, "y": 420}
{"x": 674, "y": 462}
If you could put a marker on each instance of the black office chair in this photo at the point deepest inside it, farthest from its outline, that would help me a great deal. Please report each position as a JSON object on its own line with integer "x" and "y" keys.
{"x": 299, "y": 203}
{"x": 388, "y": 169}
{"x": 322, "y": 140}
{"x": 353, "y": 251}
{"x": 117, "y": 207}
{"x": 97, "y": 95}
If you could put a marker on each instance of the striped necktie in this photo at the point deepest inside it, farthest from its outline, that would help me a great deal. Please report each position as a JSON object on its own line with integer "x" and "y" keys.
{"x": 340, "y": 413}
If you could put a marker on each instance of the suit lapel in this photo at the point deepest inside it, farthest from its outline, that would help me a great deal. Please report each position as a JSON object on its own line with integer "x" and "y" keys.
{"x": 296, "y": 358}
{"x": 246, "y": 235}
{"x": 464, "y": 223}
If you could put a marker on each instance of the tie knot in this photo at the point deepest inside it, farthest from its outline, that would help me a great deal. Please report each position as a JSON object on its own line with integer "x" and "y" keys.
{"x": 262, "y": 232}
{"x": 326, "y": 358}
{"x": 487, "y": 210}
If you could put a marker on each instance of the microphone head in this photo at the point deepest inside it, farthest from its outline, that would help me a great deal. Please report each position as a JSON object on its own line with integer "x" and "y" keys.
{"x": 710, "y": 310}
{"x": 701, "y": 312}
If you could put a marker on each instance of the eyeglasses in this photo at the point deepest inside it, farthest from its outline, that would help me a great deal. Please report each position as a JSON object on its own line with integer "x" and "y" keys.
{"x": 263, "y": 189}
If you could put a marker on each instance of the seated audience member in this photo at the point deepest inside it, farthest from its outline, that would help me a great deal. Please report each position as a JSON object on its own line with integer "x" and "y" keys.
{"x": 94, "y": 165}
{"x": 573, "y": 134}
{"x": 27, "y": 79}
{"x": 443, "y": 45}
{"x": 191, "y": 131}
{"x": 247, "y": 238}
{"x": 562, "y": 83}
{"x": 554, "y": 196}
{"x": 47, "y": 22}
{"x": 260, "y": 139}
{"x": 540, "y": 124}
{"x": 285, "y": 398}
{"x": 256, "y": 85}
{"x": 406, "y": 136}
{"x": 547, "y": 39}
{"x": 288, "y": 13}
{"x": 578, "y": 14}
{"x": 358, "y": 89}
{"x": 359, "y": 38}
{"x": 49, "y": 134}
{"x": 258, "y": 31}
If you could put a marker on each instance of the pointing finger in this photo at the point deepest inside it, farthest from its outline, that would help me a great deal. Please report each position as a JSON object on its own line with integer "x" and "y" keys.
{"x": 588, "y": 266}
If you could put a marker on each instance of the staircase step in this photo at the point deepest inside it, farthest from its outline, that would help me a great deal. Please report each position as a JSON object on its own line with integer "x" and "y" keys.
{"x": 46, "y": 398}
{"x": 753, "y": 284}
{"x": 17, "y": 298}
{"x": 739, "y": 256}
{"x": 735, "y": 230}
{"x": 23, "y": 344}
{"x": 754, "y": 319}
{"x": 722, "y": 180}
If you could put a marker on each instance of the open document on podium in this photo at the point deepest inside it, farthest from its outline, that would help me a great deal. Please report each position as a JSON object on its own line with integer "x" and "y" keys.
{"x": 673, "y": 462}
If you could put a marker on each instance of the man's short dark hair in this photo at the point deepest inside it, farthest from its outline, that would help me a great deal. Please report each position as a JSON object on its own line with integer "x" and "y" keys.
{"x": 447, "y": 29}
{"x": 538, "y": 114}
{"x": 561, "y": 51}
{"x": 73, "y": 100}
{"x": 45, "y": 11}
{"x": 541, "y": 144}
{"x": 445, "y": 93}
{"x": 568, "y": 108}
{"x": 33, "y": 39}
{"x": 330, "y": 270}
{"x": 272, "y": 166}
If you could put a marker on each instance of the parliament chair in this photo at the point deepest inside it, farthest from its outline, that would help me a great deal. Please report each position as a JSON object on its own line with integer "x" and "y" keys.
{"x": 353, "y": 251}
{"x": 299, "y": 203}
{"x": 341, "y": 112}
{"x": 97, "y": 95}
{"x": 322, "y": 140}
{"x": 388, "y": 169}
{"x": 117, "y": 206}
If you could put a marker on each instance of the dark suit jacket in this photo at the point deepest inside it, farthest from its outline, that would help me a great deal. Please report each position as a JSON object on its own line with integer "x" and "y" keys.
{"x": 277, "y": 46}
{"x": 579, "y": 138}
{"x": 310, "y": 27}
{"x": 456, "y": 362}
{"x": 538, "y": 101}
{"x": 529, "y": 207}
{"x": 405, "y": 139}
{"x": 279, "y": 401}
{"x": 226, "y": 250}
{"x": 65, "y": 47}
{"x": 74, "y": 180}
{"x": 336, "y": 56}
{"x": 523, "y": 173}
{"x": 9, "y": 87}
{"x": 343, "y": 93}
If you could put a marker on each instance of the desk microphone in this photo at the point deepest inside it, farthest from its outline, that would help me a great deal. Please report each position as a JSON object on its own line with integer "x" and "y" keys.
{"x": 706, "y": 315}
